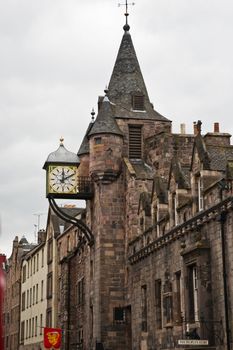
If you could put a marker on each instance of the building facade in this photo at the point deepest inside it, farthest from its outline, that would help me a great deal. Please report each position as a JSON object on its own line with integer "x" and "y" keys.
{"x": 159, "y": 272}
{"x": 33, "y": 295}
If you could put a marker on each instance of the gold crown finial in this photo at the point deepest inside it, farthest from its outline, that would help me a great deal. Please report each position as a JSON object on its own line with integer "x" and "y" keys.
{"x": 61, "y": 140}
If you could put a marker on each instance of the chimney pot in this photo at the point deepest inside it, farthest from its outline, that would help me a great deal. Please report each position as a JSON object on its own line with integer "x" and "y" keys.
{"x": 216, "y": 127}
{"x": 182, "y": 128}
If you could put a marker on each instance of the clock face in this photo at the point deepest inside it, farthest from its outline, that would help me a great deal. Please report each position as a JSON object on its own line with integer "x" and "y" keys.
{"x": 62, "y": 179}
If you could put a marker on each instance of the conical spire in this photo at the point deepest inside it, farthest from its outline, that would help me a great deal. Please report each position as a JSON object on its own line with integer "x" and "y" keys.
{"x": 105, "y": 122}
{"x": 127, "y": 81}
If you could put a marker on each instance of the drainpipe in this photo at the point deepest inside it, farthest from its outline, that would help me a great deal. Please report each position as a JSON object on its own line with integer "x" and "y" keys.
{"x": 223, "y": 217}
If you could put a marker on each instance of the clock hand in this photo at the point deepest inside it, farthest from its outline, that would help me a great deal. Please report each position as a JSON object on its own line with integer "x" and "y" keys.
{"x": 67, "y": 177}
{"x": 63, "y": 175}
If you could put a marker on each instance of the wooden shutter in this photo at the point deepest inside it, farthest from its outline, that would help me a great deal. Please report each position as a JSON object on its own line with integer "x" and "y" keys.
{"x": 135, "y": 142}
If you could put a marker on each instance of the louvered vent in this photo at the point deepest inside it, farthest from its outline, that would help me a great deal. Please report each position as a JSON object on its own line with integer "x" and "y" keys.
{"x": 138, "y": 102}
{"x": 135, "y": 142}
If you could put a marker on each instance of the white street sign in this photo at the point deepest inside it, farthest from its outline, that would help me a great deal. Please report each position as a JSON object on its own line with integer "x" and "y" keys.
{"x": 193, "y": 342}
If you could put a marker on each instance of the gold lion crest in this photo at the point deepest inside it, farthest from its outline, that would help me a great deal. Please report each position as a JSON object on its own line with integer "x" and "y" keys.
{"x": 53, "y": 337}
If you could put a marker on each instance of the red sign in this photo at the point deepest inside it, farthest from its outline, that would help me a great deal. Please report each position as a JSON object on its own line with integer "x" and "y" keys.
{"x": 52, "y": 338}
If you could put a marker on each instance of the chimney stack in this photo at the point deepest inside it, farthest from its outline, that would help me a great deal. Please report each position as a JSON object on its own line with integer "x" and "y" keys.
{"x": 216, "y": 127}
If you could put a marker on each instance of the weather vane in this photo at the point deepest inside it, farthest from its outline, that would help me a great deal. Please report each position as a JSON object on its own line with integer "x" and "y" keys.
{"x": 126, "y": 8}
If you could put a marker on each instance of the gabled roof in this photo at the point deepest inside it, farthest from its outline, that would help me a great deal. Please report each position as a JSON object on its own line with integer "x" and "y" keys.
{"x": 59, "y": 225}
{"x": 214, "y": 157}
{"x": 126, "y": 81}
{"x": 160, "y": 188}
{"x": 105, "y": 122}
{"x": 199, "y": 145}
{"x": 181, "y": 173}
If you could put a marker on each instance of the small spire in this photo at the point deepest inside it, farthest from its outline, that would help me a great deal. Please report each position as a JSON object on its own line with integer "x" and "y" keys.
{"x": 92, "y": 115}
{"x": 126, "y": 26}
{"x": 61, "y": 141}
{"x": 106, "y": 90}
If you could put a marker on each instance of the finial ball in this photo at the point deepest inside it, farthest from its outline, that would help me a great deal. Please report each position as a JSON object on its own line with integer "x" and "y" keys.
{"x": 126, "y": 27}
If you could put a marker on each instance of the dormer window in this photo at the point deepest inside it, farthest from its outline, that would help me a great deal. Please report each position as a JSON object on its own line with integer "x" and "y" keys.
{"x": 138, "y": 102}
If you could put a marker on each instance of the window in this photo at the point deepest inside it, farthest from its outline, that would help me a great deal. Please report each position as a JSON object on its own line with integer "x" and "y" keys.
{"x": 68, "y": 244}
{"x": 30, "y": 328}
{"x": 36, "y": 326}
{"x": 80, "y": 291}
{"x": 192, "y": 293}
{"x": 33, "y": 298}
{"x": 144, "y": 308}
{"x": 98, "y": 140}
{"x": 33, "y": 327}
{"x": 200, "y": 193}
{"x": 27, "y": 298}
{"x": 42, "y": 258}
{"x": 42, "y": 290}
{"x": 49, "y": 285}
{"x": 34, "y": 264}
{"x": 198, "y": 183}
{"x": 37, "y": 262}
{"x": 138, "y": 102}
{"x": 174, "y": 209}
{"x": 22, "y": 331}
{"x": 28, "y": 264}
{"x": 135, "y": 142}
{"x": 41, "y": 323}
{"x": 80, "y": 338}
{"x": 30, "y": 297}
{"x": 177, "y": 300}
{"x": 158, "y": 306}
{"x": 119, "y": 314}
{"x": 26, "y": 329}
{"x": 36, "y": 293}
{"x": 24, "y": 274}
{"x": 23, "y": 301}
{"x": 167, "y": 305}
{"x": 49, "y": 317}
{"x": 50, "y": 251}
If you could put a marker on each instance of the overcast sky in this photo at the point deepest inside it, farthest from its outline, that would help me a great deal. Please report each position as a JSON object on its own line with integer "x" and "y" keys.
{"x": 57, "y": 57}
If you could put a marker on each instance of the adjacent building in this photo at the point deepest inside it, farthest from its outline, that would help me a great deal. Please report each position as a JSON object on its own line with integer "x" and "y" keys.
{"x": 33, "y": 295}
{"x": 2, "y": 290}
{"x": 12, "y": 299}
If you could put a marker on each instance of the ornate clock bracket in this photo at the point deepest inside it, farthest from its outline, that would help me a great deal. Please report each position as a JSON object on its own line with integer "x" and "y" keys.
{"x": 72, "y": 220}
